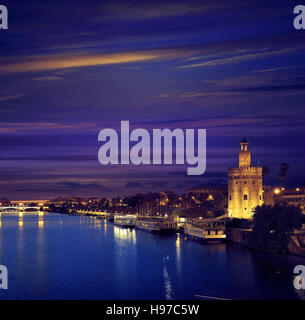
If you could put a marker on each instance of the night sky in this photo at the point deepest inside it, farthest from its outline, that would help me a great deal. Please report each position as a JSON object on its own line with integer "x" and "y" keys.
{"x": 71, "y": 68}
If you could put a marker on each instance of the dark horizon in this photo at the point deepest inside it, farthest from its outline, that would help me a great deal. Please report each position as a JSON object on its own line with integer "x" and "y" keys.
{"x": 69, "y": 70}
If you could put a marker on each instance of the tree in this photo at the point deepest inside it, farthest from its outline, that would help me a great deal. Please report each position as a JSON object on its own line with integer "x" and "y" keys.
{"x": 273, "y": 227}
{"x": 218, "y": 204}
{"x": 238, "y": 223}
{"x": 283, "y": 172}
{"x": 266, "y": 171}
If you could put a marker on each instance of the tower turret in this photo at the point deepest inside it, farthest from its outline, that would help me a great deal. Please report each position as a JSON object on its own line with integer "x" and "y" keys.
{"x": 244, "y": 154}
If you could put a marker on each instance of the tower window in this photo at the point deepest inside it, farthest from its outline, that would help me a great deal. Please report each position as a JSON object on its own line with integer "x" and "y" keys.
{"x": 245, "y": 182}
{"x": 230, "y": 198}
{"x": 253, "y": 182}
{"x": 236, "y": 182}
{"x": 260, "y": 197}
{"x": 245, "y": 197}
{"x": 245, "y": 208}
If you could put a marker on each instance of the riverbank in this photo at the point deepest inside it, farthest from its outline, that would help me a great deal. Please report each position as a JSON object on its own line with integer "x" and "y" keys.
{"x": 296, "y": 245}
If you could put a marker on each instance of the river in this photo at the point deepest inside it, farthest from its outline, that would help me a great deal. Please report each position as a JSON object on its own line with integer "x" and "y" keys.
{"x": 69, "y": 257}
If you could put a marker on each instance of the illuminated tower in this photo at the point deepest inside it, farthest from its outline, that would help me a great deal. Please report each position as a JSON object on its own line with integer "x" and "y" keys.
{"x": 245, "y": 185}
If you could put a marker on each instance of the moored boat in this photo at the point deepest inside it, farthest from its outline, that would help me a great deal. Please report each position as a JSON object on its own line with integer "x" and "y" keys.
{"x": 125, "y": 221}
{"x": 208, "y": 230}
{"x": 155, "y": 224}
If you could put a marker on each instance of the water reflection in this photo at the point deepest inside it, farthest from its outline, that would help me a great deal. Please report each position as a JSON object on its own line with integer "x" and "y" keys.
{"x": 97, "y": 223}
{"x": 125, "y": 234}
{"x": 40, "y": 223}
{"x": 41, "y": 257}
{"x": 20, "y": 222}
{"x": 21, "y": 251}
{"x": 167, "y": 280}
{"x": 178, "y": 252}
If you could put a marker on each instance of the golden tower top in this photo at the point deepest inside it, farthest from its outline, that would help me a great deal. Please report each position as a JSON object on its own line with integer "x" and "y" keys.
{"x": 244, "y": 154}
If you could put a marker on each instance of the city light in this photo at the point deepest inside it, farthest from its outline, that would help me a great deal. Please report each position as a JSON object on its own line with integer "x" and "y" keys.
{"x": 277, "y": 191}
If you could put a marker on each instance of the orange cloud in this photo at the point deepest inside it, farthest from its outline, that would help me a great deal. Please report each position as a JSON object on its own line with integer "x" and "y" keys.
{"x": 45, "y": 63}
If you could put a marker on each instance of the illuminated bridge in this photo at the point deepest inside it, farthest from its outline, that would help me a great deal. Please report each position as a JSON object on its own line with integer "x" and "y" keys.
{"x": 24, "y": 206}
{"x": 20, "y": 209}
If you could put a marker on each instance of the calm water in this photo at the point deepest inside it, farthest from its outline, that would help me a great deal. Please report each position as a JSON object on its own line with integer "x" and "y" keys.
{"x": 65, "y": 257}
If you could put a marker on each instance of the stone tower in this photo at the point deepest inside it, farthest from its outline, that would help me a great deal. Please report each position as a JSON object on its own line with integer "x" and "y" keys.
{"x": 245, "y": 186}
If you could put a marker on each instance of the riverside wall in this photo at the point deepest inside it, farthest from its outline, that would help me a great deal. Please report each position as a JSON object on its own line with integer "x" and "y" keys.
{"x": 296, "y": 245}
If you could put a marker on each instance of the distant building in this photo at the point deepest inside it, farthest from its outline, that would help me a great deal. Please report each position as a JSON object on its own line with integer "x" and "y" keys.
{"x": 294, "y": 197}
{"x": 210, "y": 190}
{"x": 29, "y": 202}
{"x": 245, "y": 190}
{"x": 4, "y": 202}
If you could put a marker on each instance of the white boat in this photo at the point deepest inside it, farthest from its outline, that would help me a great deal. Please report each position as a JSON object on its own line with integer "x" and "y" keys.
{"x": 125, "y": 221}
{"x": 210, "y": 230}
{"x": 155, "y": 224}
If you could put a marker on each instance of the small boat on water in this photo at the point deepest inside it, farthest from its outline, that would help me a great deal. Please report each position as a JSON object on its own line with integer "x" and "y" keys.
{"x": 125, "y": 221}
{"x": 155, "y": 224}
{"x": 208, "y": 230}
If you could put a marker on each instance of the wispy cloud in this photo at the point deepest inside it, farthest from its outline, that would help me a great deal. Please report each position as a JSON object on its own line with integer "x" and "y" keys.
{"x": 124, "y": 11}
{"x": 279, "y": 68}
{"x": 35, "y": 127}
{"x": 48, "y": 78}
{"x": 54, "y": 62}
{"x": 11, "y": 97}
{"x": 240, "y": 58}
{"x": 288, "y": 87}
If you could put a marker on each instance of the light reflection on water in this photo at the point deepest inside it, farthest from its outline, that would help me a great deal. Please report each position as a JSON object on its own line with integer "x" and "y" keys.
{"x": 178, "y": 253}
{"x": 55, "y": 256}
{"x": 40, "y": 224}
{"x": 125, "y": 234}
{"x": 20, "y": 222}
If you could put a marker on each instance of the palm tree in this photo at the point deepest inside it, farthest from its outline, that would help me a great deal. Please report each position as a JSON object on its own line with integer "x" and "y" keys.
{"x": 283, "y": 172}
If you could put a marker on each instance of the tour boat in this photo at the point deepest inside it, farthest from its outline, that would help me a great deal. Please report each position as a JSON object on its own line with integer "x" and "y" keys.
{"x": 125, "y": 221}
{"x": 155, "y": 224}
{"x": 209, "y": 230}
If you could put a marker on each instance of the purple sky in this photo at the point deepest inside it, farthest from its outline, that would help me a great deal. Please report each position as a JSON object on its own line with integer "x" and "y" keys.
{"x": 71, "y": 68}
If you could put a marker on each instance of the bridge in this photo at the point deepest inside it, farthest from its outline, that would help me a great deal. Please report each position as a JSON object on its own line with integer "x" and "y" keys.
{"x": 24, "y": 206}
{"x": 20, "y": 209}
